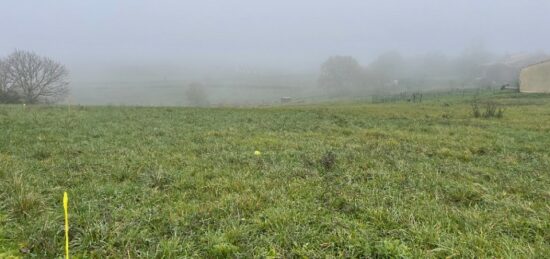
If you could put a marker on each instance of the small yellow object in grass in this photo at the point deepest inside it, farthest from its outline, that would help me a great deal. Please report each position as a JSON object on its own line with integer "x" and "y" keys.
{"x": 257, "y": 153}
{"x": 66, "y": 209}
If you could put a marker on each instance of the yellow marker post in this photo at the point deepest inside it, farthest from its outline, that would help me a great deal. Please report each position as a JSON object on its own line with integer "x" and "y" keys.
{"x": 66, "y": 208}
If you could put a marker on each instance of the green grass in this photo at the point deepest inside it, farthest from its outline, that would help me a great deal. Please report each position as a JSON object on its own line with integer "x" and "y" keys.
{"x": 342, "y": 179}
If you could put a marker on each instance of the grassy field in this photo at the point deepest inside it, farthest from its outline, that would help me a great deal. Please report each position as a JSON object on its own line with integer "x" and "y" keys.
{"x": 349, "y": 179}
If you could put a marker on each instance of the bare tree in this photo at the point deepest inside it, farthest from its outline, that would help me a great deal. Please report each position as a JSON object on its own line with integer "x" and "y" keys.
{"x": 4, "y": 82}
{"x": 35, "y": 78}
{"x": 7, "y": 89}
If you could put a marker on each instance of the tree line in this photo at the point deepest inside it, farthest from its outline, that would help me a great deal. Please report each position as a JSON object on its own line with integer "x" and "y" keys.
{"x": 26, "y": 77}
{"x": 392, "y": 72}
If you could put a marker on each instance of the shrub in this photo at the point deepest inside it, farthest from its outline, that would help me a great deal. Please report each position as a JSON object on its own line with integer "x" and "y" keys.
{"x": 475, "y": 110}
{"x": 491, "y": 110}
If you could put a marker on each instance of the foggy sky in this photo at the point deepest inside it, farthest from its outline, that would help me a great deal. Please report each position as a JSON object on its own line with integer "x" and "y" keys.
{"x": 282, "y": 33}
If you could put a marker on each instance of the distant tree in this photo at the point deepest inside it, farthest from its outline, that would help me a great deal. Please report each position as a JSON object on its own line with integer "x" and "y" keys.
{"x": 7, "y": 91}
{"x": 340, "y": 74}
{"x": 433, "y": 65}
{"x": 196, "y": 96}
{"x": 468, "y": 65}
{"x": 35, "y": 78}
{"x": 388, "y": 66}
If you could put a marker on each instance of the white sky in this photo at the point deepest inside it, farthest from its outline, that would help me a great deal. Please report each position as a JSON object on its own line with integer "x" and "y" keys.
{"x": 282, "y": 33}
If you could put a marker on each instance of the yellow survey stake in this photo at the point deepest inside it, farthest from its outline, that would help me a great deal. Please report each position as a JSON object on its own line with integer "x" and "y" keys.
{"x": 66, "y": 208}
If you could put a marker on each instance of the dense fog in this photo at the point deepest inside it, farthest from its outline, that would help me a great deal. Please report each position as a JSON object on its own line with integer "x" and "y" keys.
{"x": 204, "y": 53}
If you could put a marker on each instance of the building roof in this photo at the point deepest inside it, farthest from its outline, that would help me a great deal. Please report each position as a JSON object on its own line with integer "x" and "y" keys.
{"x": 537, "y": 63}
{"x": 520, "y": 60}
